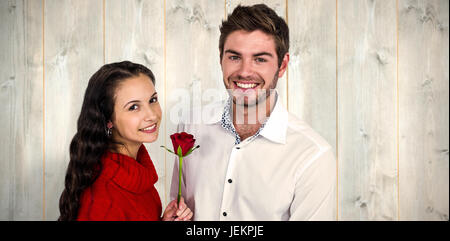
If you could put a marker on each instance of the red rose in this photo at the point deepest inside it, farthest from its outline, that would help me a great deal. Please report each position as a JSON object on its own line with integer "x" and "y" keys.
{"x": 184, "y": 140}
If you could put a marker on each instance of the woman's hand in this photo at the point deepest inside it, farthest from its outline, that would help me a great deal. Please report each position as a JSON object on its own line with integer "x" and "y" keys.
{"x": 182, "y": 213}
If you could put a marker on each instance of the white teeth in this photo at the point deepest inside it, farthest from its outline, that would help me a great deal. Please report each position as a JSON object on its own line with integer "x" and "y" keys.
{"x": 245, "y": 86}
{"x": 149, "y": 128}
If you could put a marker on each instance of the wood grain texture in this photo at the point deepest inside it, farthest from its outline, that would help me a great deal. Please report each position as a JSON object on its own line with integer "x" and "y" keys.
{"x": 312, "y": 68}
{"x": 73, "y": 52}
{"x": 192, "y": 61}
{"x": 21, "y": 123}
{"x": 367, "y": 110}
{"x": 279, "y": 6}
{"x": 423, "y": 109}
{"x": 134, "y": 31}
{"x": 178, "y": 40}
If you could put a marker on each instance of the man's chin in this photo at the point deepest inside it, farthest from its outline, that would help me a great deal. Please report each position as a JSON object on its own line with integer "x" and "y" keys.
{"x": 247, "y": 101}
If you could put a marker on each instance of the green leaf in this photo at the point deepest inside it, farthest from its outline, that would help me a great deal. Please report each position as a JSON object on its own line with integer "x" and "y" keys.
{"x": 180, "y": 151}
{"x": 191, "y": 150}
{"x": 168, "y": 150}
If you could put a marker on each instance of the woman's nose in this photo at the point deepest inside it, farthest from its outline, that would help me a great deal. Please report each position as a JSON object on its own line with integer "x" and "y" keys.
{"x": 150, "y": 114}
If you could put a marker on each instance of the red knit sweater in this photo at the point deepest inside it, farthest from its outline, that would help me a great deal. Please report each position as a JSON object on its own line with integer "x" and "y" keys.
{"x": 124, "y": 190}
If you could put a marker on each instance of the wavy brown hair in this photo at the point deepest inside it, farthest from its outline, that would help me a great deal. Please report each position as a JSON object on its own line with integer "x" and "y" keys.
{"x": 91, "y": 139}
{"x": 257, "y": 17}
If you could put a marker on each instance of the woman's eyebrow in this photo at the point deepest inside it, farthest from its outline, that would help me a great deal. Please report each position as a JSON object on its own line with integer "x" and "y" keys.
{"x": 133, "y": 101}
{"x": 137, "y": 101}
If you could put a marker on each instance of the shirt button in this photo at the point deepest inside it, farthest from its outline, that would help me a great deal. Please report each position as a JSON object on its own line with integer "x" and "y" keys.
{"x": 230, "y": 181}
{"x": 224, "y": 214}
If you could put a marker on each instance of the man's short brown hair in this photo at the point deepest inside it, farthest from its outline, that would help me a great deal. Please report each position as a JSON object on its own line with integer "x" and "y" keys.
{"x": 257, "y": 17}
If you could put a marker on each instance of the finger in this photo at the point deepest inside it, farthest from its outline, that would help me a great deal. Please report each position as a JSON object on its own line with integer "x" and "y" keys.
{"x": 185, "y": 213}
{"x": 169, "y": 215}
{"x": 186, "y": 216}
{"x": 189, "y": 217}
{"x": 170, "y": 211}
{"x": 172, "y": 204}
{"x": 182, "y": 207}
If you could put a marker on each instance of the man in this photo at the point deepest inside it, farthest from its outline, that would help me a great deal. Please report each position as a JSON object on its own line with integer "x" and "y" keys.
{"x": 256, "y": 161}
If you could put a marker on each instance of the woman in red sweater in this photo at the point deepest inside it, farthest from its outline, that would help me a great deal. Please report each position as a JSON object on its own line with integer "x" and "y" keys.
{"x": 110, "y": 174}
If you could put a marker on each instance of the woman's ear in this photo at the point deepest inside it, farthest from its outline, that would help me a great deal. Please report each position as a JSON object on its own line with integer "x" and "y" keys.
{"x": 109, "y": 125}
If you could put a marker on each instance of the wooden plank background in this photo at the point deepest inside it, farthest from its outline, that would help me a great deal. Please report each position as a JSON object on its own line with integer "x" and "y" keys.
{"x": 423, "y": 109}
{"x": 367, "y": 110}
{"x": 370, "y": 76}
{"x": 21, "y": 123}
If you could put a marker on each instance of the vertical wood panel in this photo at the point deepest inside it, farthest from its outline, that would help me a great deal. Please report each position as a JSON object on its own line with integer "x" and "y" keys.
{"x": 312, "y": 68}
{"x": 192, "y": 58}
{"x": 73, "y": 52}
{"x": 279, "y": 6}
{"x": 189, "y": 58}
{"x": 21, "y": 122}
{"x": 367, "y": 110}
{"x": 134, "y": 31}
{"x": 424, "y": 109}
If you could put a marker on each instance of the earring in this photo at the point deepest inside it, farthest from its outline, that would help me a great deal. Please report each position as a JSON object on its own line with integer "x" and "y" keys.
{"x": 108, "y": 132}
{"x": 108, "y": 128}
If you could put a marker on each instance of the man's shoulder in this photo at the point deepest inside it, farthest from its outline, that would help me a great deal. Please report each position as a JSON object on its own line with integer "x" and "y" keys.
{"x": 299, "y": 129}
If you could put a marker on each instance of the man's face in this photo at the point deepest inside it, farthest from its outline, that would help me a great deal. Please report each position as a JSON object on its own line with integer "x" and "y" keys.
{"x": 250, "y": 66}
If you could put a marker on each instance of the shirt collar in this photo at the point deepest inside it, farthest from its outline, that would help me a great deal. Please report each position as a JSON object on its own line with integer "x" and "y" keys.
{"x": 275, "y": 128}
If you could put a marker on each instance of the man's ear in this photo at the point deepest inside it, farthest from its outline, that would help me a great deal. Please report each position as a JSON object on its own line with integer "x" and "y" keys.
{"x": 284, "y": 65}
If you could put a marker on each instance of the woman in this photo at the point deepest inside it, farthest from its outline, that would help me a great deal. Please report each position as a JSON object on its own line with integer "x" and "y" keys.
{"x": 110, "y": 174}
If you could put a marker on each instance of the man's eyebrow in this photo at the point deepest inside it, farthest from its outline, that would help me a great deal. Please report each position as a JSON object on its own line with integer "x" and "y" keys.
{"x": 232, "y": 52}
{"x": 254, "y": 55}
{"x": 263, "y": 53}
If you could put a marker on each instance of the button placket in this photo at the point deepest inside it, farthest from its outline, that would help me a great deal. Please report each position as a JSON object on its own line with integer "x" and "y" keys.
{"x": 227, "y": 189}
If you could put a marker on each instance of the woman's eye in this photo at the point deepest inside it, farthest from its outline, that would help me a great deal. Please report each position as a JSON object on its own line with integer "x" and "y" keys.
{"x": 133, "y": 107}
{"x": 154, "y": 99}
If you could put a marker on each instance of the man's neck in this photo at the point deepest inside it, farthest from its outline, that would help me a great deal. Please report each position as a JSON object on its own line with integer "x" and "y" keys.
{"x": 248, "y": 120}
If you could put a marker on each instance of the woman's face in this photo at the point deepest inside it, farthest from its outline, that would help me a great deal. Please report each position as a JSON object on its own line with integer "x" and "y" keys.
{"x": 137, "y": 113}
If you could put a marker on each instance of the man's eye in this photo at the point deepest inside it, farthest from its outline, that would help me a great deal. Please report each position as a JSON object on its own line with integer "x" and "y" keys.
{"x": 261, "y": 60}
{"x": 133, "y": 107}
{"x": 234, "y": 57}
{"x": 154, "y": 99}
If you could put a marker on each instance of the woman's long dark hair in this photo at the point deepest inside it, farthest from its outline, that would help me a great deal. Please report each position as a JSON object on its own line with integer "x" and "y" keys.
{"x": 91, "y": 139}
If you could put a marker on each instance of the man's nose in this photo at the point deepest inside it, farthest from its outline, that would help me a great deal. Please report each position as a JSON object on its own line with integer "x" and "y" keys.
{"x": 246, "y": 69}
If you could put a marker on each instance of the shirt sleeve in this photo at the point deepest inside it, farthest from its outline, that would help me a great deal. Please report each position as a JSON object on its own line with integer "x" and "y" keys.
{"x": 315, "y": 190}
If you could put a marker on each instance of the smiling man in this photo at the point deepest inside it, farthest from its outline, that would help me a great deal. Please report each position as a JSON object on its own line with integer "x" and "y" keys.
{"x": 256, "y": 161}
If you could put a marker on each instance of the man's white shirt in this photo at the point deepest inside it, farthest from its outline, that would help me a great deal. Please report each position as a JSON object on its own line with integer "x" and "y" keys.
{"x": 287, "y": 172}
